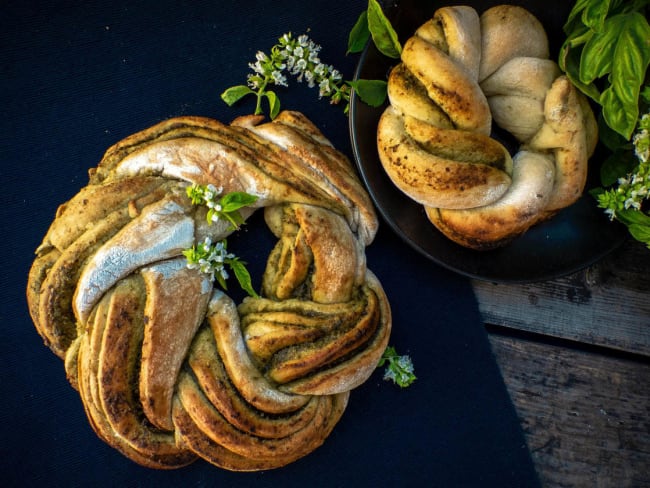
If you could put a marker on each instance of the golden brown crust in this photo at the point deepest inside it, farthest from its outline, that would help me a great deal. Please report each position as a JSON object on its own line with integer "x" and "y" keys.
{"x": 510, "y": 216}
{"x": 432, "y": 180}
{"x": 167, "y": 367}
{"x": 433, "y": 139}
{"x": 509, "y": 31}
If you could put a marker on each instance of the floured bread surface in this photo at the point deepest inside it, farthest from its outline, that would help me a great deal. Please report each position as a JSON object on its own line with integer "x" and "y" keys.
{"x": 168, "y": 367}
{"x": 460, "y": 72}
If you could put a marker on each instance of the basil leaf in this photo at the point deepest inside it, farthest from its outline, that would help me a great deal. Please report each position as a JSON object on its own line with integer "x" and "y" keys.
{"x": 371, "y": 92}
{"x": 630, "y": 216}
{"x": 594, "y": 13}
{"x": 615, "y": 112}
{"x": 235, "y": 93}
{"x": 598, "y": 53}
{"x": 569, "y": 61}
{"x": 574, "y": 18}
{"x": 628, "y": 70}
{"x": 222, "y": 281}
{"x": 383, "y": 34}
{"x": 638, "y": 224}
{"x": 359, "y": 34}
{"x": 640, "y": 232}
{"x": 274, "y": 104}
{"x": 243, "y": 277}
{"x": 236, "y": 200}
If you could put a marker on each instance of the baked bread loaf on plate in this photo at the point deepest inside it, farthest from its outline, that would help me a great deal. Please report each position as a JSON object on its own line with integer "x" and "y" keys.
{"x": 459, "y": 73}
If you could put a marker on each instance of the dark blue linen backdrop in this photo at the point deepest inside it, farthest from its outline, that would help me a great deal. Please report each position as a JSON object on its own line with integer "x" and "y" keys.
{"x": 77, "y": 77}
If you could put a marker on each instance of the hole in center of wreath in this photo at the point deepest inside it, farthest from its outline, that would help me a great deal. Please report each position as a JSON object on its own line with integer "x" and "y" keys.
{"x": 252, "y": 244}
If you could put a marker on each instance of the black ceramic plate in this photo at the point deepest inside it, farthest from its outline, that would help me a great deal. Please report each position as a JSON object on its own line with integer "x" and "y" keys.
{"x": 575, "y": 238}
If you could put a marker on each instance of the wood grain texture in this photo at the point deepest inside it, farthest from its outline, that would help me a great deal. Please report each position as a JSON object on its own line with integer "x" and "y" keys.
{"x": 607, "y": 304}
{"x": 586, "y": 416}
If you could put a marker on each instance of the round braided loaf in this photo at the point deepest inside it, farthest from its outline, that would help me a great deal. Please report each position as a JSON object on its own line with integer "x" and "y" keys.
{"x": 458, "y": 73}
{"x": 169, "y": 368}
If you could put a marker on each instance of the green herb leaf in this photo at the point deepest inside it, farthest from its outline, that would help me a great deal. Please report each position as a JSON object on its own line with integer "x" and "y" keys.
{"x": 614, "y": 50}
{"x": 243, "y": 276}
{"x": 629, "y": 66}
{"x": 598, "y": 54}
{"x": 570, "y": 58}
{"x": 222, "y": 281}
{"x": 382, "y": 32}
{"x": 235, "y": 200}
{"x": 575, "y": 16}
{"x": 211, "y": 259}
{"x": 594, "y": 14}
{"x": 274, "y": 103}
{"x": 638, "y": 224}
{"x": 359, "y": 34}
{"x": 640, "y": 232}
{"x": 235, "y": 93}
{"x": 371, "y": 92}
{"x": 619, "y": 113}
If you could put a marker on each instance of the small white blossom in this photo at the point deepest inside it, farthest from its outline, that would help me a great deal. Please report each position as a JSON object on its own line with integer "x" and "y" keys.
{"x": 320, "y": 70}
{"x": 301, "y": 65}
{"x": 279, "y": 79}
{"x": 300, "y": 58}
{"x": 254, "y": 82}
{"x": 257, "y": 67}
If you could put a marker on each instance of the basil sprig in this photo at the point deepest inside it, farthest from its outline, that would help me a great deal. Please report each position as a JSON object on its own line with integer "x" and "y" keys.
{"x": 374, "y": 23}
{"x": 606, "y": 55}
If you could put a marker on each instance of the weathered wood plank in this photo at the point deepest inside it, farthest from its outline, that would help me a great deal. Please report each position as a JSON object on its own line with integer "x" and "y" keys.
{"x": 607, "y": 304}
{"x": 586, "y": 416}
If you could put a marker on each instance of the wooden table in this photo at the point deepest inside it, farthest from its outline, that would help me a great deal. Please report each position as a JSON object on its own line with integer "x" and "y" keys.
{"x": 575, "y": 356}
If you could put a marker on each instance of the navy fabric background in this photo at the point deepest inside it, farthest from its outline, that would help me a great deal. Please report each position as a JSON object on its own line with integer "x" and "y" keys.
{"x": 77, "y": 77}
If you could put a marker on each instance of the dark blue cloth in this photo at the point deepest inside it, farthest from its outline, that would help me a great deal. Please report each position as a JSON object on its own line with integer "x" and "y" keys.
{"x": 78, "y": 76}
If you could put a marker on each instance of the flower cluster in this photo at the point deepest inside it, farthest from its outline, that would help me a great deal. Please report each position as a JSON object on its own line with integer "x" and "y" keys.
{"x": 641, "y": 139}
{"x": 220, "y": 206}
{"x": 207, "y": 195}
{"x": 300, "y": 58}
{"x": 634, "y": 188}
{"x": 210, "y": 258}
{"x": 399, "y": 369}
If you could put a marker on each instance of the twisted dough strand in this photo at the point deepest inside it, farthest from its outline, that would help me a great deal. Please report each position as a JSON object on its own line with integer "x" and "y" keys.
{"x": 169, "y": 368}
{"x": 458, "y": 72}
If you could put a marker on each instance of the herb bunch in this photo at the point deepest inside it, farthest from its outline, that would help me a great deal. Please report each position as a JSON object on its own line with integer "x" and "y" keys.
{"x": 625, "y": 200}
{"x": 606, "y": 55}
{"x": 220, "y": 207}
{"x": 399, "y": 369}
{"x": 300, "y": 57}
{"x": 212, "y": 258}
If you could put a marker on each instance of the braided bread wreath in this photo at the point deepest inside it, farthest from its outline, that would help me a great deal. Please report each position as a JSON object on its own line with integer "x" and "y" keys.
{"x": 458, "y": 72}
{"x": 169, "y": 368}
